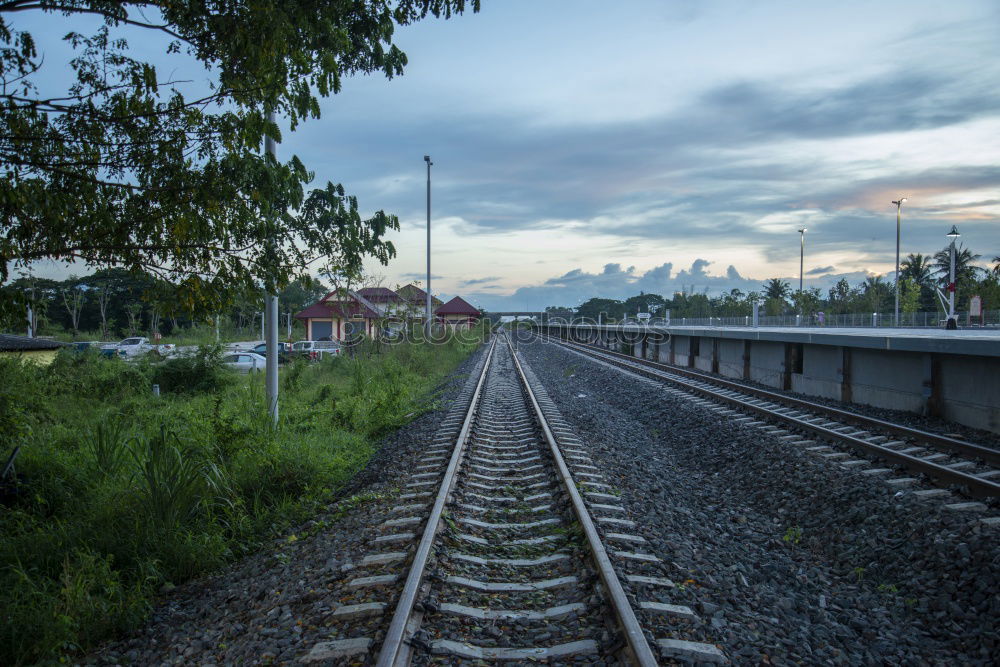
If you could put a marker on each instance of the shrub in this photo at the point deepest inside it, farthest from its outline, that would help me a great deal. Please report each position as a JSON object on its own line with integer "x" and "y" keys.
{"x": 171, "y": 483}
{"x": 197, "y": 373}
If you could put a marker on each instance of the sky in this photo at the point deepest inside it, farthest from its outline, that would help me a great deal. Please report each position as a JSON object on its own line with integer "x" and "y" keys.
{"x": 584, "y": 148}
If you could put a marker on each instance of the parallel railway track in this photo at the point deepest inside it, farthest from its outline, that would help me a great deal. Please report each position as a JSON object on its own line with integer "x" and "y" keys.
{"x": 501, "y": 492}
{"x": 943, "y": 459}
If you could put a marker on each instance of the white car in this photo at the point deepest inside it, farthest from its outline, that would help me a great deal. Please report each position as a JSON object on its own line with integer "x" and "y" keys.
{"x": 315, "y": 349}
{"x": 245, "y": 362}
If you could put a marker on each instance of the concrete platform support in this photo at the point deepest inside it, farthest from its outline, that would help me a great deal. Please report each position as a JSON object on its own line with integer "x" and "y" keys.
{"x": 969, "y": 389}
{"x": 768, "y": 363}
{"x": 681, "y": 350}
{"x": 891, "y": 380}
{"x": 730, "y": 358}
{"x": 821, "y": 372}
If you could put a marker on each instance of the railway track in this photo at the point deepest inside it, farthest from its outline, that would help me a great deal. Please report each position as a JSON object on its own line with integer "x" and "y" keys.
{"x": 827, "y": 431}
{"x": 525, "y": 554}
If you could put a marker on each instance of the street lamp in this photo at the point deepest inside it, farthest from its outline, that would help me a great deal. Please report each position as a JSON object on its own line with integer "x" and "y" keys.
{"x": 802, "y": 256}
{"x": 427, "y": 159}
{"x": 952, "y": 320}
{"x": 895, "y": 282}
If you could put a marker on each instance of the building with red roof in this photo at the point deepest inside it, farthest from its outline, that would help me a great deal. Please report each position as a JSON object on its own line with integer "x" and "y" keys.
{"x": 338, "y": 315}
{"x": 458, "y": 312}
{"x": 383, "y": 298}
{"x": 415, "y": 301}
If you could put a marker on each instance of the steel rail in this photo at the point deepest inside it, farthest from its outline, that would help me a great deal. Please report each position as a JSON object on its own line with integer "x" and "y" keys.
{"x": 640, "y": 650}
{"x": 987, "y": 454}
{"x": 395, "y": 636}
{"x": 977, "y": 486}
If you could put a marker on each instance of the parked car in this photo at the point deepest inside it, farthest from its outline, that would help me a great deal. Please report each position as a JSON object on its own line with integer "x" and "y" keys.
{"x": 284, "y": 351}
{"x": 133, "y": 347}
{"x": 316, "y": 349}
{"x": 245, "y": 362}
{"x": 83, "y": 346}
{"x": 111, "y": 351}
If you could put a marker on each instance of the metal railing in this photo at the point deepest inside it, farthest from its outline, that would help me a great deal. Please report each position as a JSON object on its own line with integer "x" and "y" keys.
{"x": 931, "y": 320}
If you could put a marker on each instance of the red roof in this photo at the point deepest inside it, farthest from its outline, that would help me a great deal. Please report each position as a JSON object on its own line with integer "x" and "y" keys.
{"x": 379, "y": 294}
{"x": 413, "y": 293}
{"x": 337, "y": 309}
{"x": 457, "y": 306}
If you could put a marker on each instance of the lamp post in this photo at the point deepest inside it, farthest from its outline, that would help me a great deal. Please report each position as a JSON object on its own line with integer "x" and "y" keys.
{"x": 427, "y": 159}
{"x": 895, "y": 280}
{"x": 802, "y": 255}
{"x": 952, "y": 320}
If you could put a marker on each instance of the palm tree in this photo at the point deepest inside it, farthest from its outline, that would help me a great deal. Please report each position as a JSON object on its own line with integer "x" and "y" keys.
{"x": 996, "y": 265}
{"x": 876, "y": 291}
{"x": 776, "y": 288}
{"x": 964, "y": 267}
{"x": 918, "y": 268}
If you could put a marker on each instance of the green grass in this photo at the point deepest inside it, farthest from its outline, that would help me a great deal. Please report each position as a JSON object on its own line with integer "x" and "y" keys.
{"x": 120, "y": 492}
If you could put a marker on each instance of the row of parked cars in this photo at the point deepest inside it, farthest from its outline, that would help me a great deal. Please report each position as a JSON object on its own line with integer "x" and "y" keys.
{"x": 244, "y": 360}
{"x": 130, "y": 347}
{"x": 256, "y": 358}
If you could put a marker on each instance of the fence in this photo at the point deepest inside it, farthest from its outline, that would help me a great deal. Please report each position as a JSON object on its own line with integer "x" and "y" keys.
{"x": 936, "y": 320}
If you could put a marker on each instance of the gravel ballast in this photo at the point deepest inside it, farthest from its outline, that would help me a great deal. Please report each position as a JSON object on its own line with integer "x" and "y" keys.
{"x": 275, "y": 606}
{"x": 789, "y": 558}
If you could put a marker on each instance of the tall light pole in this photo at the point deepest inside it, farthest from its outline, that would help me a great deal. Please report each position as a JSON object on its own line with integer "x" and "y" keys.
{"x": 271, "y": 315}
{"x": 427, "y": 159}
{"x": 952, "y": 288}
{"x": 802, "y": 256}
{"x": 895, "y": 280}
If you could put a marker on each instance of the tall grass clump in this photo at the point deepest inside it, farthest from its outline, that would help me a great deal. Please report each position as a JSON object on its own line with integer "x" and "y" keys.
{"x": 118, "y": 492}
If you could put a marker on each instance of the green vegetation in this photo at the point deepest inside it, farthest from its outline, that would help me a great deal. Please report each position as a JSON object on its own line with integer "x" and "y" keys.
{"x": 793, "y": 535}
{"x": 120, "y": 492}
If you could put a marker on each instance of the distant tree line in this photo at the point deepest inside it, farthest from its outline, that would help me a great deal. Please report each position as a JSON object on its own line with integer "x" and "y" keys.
{"x": 113, "y": 303}
{"x": 919, "y": 276}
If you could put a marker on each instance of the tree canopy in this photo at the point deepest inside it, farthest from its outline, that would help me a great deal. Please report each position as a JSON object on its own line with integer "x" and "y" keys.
{"x": 152, "y": 172}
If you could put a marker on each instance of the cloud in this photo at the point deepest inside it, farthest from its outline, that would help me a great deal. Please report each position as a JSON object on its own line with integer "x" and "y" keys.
{"x": 416, "y": 275}
{"x": 479, "y": 281}
{"x": 819, "y": 270}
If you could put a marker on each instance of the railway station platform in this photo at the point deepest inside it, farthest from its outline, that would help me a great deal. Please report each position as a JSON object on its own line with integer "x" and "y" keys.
{"x": 954, "y": 375}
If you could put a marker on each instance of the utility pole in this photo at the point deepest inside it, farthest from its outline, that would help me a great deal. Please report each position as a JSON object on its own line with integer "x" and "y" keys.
{"x": 895, "y": 280}
{"x": 271, "y": 314}
{"x": 427, "y": 159}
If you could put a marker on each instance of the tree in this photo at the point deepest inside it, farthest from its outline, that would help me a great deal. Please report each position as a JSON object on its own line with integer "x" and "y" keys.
{"x": 807, "y": 302}
{"x": 918, "y": 268}
{"x": 776, "y": 293}
{"x": 909, "y": 295}
{"x": 964, "y": 267}
{"x": 103, "y": 292}
{"x": 132, "y": 168}
{"x": 877, "y": 293}
{"x": 596, "y": 309}
{"x": 73, "y": 298}
{"x": 775, "y": 288}
{"x": 996, "y": 265}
